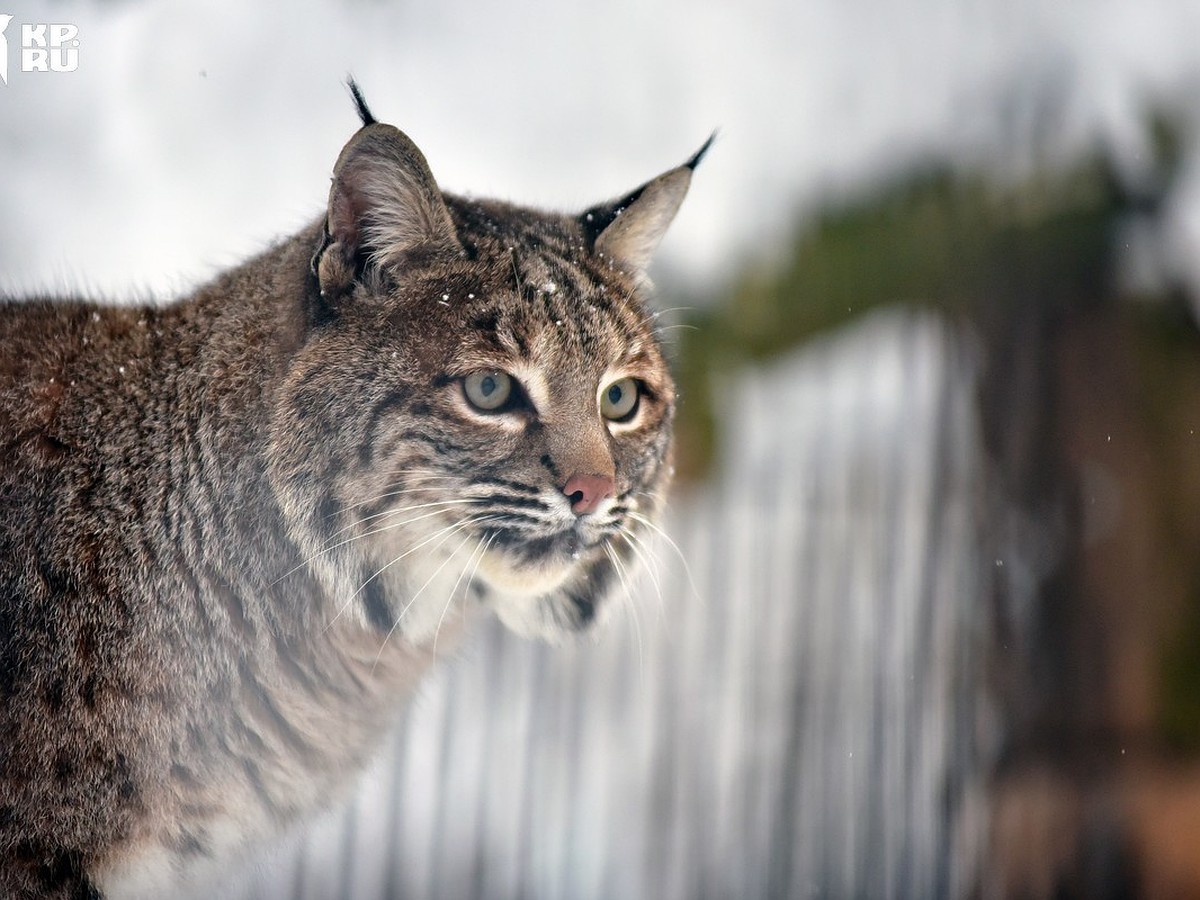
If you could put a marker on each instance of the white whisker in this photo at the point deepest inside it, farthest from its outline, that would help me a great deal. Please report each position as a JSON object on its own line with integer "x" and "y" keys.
{"x": 389, "y": 527}
{"x": 400, "y": 509}
{"x": 631, "y": 605}
{"x": 454, "y": 589}
{"x": 415, "y": 596}
{"x": 358, "y": 537}
{"x": 658, "y": 314}
{"x": 412, "y": 489}
{"x": 443, "y": 533}
{"x": 649, "y": 523}
{"x": 649, "y": 563}
{"x": 481, "y": 548}
{"x": 636, "y": 545}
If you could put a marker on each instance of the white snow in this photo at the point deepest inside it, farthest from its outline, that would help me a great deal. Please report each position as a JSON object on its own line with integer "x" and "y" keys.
{"x": 193, "y": 134}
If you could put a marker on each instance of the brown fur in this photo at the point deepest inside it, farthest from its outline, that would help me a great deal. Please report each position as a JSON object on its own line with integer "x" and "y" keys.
{"x": 232, "y": 528}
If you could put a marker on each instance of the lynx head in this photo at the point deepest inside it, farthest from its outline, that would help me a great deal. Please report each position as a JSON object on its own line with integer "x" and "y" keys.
{"x": 481, "y": 405}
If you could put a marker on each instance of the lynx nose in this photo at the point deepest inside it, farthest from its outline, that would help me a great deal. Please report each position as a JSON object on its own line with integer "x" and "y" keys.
{"x": 587, "y": 492}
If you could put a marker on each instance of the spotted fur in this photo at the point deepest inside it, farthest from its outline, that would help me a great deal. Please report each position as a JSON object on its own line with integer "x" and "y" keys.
{"x": 233, "y": 529}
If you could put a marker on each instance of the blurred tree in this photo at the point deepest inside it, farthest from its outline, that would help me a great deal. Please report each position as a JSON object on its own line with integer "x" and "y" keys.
{"x": 954, "y": 242}
{"x": 1089, "y": 406}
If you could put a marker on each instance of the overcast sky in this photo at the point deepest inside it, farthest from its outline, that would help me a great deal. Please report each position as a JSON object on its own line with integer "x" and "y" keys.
{"x": 193, "y": 134}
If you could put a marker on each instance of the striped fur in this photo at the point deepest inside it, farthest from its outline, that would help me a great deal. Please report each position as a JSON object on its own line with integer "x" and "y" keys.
{"x": 235, "y": 529}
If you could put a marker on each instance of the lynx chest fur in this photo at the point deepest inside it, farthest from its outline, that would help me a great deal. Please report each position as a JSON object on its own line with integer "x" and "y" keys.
{"x": 234, "y": 528}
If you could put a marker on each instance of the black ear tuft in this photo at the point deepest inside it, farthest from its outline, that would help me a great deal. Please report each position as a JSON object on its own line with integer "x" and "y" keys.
{"x": 383, "y": 205}
{"x": 699, "y": 154}
{"x": 628, "y": 230}
{"x": 361, "y": 105}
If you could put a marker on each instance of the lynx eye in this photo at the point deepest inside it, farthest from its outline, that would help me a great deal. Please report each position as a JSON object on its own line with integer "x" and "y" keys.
{"x": 619, "y": 401}
{"x": 488, "y": 391}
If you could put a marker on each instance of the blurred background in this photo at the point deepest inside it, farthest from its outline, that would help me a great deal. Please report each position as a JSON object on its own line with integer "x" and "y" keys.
{"x": 927, "y": 622}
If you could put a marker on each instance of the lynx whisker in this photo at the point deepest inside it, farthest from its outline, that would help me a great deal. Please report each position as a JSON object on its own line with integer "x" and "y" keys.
{"x": 687, "y": 569}
{"x": 415, "y": 489}
{"x": 443, "y": 533}
{"x": 661, "y": 330}
{"x": 648, "y": 544}
{"x": 350, "y": 540}
{"x": 392, "y": 526}
{"x": 395, "y": 511}
{"x": 453, "y": 589}
{"x": 413, "y": 599}
{"x": 659, "y": 313}
{"x": 631, "y": 605}
{"x": 481, "y": 548}
{"x": 648, "y": 562}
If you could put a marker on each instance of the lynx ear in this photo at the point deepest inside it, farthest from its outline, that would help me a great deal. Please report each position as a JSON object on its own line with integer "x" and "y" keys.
{"x": 383, "y": 205}
{"x": 628, "y": 230}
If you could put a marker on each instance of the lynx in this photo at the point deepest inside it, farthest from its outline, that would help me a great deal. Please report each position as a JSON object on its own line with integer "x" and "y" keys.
{"x": 234, "y": 527}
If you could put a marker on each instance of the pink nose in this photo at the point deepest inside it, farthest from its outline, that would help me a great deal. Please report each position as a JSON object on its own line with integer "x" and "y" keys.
{"x": 587, "y": 491}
